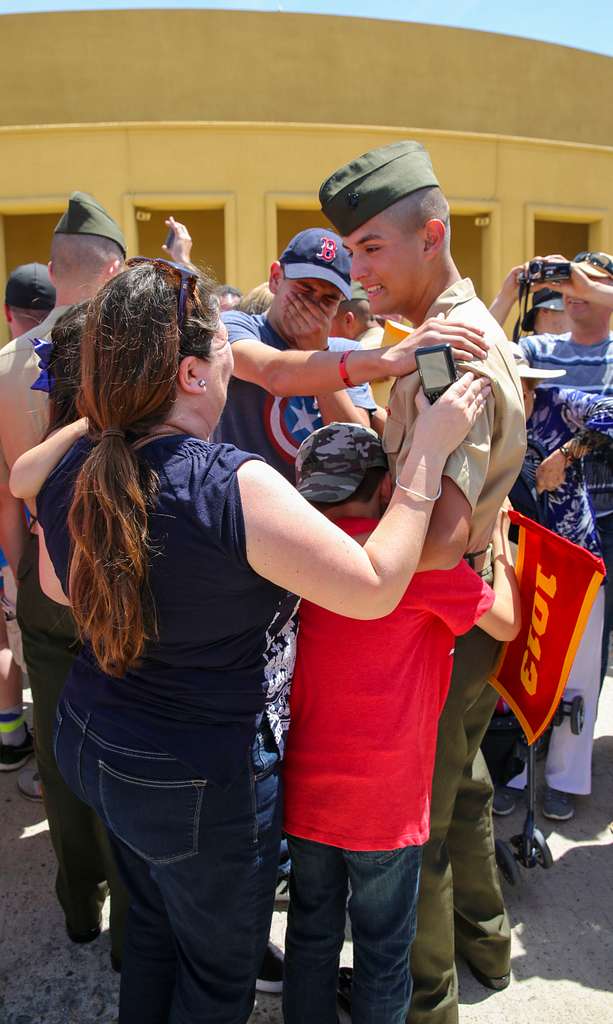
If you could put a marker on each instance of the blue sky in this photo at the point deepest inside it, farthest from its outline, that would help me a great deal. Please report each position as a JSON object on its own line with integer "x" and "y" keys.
{"x": 587, "y": 25}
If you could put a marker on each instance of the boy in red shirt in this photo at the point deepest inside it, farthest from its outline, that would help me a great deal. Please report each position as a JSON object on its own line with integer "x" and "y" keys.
{"x": 365, "y": 703}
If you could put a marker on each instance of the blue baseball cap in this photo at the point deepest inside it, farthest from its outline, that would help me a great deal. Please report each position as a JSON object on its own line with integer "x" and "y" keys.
{"x": 318, "y": 253}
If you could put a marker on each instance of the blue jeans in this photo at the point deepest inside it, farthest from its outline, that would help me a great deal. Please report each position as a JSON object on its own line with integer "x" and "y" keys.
{"x": 605, "y": 532}
{"x": 382, "y": 910}
{"x": 199, "y": 861}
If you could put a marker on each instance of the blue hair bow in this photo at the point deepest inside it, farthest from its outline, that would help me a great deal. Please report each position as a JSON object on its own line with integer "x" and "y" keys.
{"x": 44, "y": 350}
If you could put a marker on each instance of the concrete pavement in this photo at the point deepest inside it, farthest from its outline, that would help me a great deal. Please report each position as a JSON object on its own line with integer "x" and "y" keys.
{"x": 562, "y": 924}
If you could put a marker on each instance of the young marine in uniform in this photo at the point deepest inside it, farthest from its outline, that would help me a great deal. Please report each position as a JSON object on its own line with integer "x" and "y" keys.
{"x": 394, "y": 219}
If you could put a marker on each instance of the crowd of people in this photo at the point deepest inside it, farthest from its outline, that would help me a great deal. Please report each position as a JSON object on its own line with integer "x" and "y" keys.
{"x": 259, "y": 610}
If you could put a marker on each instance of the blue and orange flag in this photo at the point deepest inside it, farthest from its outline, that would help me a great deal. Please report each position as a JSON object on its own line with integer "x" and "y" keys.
{"x": 558, "y": 582}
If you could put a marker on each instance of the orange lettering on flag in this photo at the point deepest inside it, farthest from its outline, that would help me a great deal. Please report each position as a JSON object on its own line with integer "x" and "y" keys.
{"x": 538, "y": 625}
{"x": 558, "y": 584}
{"x": 529, "y": 679}
{"x": 547, "y": 583}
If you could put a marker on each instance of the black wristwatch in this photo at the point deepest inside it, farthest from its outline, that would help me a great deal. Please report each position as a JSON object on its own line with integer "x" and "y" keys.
{"x": 566, "y": 452}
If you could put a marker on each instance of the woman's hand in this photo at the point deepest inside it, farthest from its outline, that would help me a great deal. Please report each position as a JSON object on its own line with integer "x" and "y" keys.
{"x": 443, "y": 426}
{"x": 551, "y": 473}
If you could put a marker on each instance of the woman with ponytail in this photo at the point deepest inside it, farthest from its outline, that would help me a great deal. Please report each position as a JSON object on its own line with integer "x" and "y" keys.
{"x": 182, "y": 560}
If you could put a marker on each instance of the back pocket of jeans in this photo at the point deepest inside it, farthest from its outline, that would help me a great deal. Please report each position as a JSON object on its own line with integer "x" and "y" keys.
{"x": 157, "y": 818}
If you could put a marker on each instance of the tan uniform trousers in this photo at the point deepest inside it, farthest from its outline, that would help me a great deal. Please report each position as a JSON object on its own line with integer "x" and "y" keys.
{"x": 461, "y": 909}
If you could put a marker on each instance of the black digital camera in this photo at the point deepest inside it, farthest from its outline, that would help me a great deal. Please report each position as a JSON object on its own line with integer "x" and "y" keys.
{"x": 543, "y": 272}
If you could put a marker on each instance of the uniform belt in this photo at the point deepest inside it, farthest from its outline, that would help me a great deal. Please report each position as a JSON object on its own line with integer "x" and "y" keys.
{"x": 480, "y": 561}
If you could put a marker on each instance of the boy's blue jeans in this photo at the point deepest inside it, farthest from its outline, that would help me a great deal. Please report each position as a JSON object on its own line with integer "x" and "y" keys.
{"x": 382, "y": 910}
{"x": 199, "y": 861}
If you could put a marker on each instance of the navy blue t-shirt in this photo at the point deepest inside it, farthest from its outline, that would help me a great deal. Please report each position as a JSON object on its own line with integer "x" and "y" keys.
{"x": 274, "y": 427}
{"x": 226, "y": 645}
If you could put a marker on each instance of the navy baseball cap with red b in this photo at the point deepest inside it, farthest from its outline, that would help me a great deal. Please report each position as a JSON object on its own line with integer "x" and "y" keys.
{"x": 318, "y": 253}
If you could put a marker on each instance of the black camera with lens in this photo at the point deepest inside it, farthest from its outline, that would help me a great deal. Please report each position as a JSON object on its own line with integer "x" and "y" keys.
{"x": 544, "y": 272}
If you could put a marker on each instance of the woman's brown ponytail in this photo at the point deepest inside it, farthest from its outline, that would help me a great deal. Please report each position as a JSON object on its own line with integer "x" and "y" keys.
{"x": 130, "y": 355}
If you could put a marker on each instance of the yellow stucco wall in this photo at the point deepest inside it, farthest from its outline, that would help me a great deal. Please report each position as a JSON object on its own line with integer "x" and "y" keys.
{"x": 237, "y": 66}
{"x": 244, "y": 115}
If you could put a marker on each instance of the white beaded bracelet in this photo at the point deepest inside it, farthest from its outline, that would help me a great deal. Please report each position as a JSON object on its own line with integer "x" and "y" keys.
{"x": 416, "y": 494}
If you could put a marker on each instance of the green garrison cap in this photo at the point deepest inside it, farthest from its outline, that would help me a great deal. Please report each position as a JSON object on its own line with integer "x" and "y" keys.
{"x": 378, "y": 179}
{"x": 85, "y": 216}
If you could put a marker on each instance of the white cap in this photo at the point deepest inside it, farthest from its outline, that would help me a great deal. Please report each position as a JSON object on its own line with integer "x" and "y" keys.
{"x": 532, "y": 372}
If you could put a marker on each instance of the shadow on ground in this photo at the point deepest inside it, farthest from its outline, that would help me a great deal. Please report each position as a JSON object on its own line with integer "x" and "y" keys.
{"x": 562, "y": 924}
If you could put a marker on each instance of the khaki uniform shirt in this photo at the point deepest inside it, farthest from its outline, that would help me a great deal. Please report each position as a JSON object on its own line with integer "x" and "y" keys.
{"x": 487, "y": 464}
{"x": 23, "y": 412}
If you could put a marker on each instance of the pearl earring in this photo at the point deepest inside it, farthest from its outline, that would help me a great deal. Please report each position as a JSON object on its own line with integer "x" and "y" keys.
{"x": 201, "y": 383}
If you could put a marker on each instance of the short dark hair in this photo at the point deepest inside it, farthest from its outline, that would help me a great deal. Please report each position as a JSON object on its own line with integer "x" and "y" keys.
{"x": 35, "y": 315}
{"x": 82, "y": 255}
{"x": 352, "y": 305}
{"x": 415, "y": 210}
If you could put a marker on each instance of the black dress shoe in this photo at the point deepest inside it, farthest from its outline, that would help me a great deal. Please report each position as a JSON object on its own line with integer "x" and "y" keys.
{"x": 83, "y": 937}
{"x": 495, "y": 984}
{"x": 116, "y": 963}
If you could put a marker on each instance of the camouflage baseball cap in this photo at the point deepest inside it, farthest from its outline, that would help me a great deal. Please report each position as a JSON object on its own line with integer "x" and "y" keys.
{"x": 332, "y": 462}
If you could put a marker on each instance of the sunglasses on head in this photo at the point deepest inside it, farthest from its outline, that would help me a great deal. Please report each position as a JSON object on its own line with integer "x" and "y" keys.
{"x": 186, "y": 278}
{"x": 597, "y": 259}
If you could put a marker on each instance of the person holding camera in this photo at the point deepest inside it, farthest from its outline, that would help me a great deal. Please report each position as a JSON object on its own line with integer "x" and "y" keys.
{"x": 585, "y": 352}
{"x": 547, "y": 315}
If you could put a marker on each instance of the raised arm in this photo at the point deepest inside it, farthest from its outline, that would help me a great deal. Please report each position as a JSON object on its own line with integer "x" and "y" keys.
{"x": 303, "y": 372}
{"x": 507, "y": 296}
{"x": 292, "y": 544}
{"x": 33, "y": 467}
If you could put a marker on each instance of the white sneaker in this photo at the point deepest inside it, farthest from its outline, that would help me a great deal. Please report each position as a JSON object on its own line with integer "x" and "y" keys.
{"x": 29, "y": 784}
